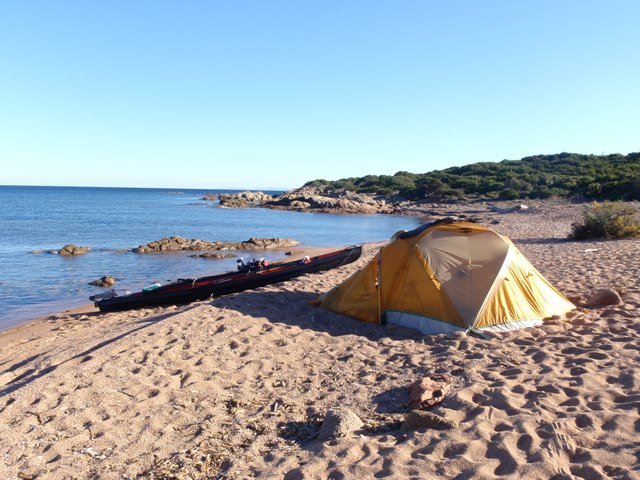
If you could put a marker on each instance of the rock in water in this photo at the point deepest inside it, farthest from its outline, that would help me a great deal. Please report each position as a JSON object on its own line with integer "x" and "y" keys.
{"x": 179, "y": 244}
{"x": 104, "y": 282}
{"x": 71, "y": 249}
{"x": 175, "y": 244}
{"x": 338, "y": 423}
{"x": 215, "y": 256}
{"x": 243, "y": 199}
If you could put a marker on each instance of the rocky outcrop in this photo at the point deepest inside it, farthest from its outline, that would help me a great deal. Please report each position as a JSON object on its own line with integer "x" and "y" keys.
{"x": 180, "y": 244}
{"x": 264, "y": 244}
{"x": 210, "y": 197}
{"x": 243, "y": 199}
{"x": 313, "y": 199}
{"x": 105, "y": 282}
{"x": 176, "y": 244}
{"x": 71, "y": 249}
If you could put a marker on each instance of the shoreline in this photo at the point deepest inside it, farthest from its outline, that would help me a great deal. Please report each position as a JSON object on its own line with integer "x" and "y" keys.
{"x": 470, "y": 210}
{"x": 297, "y": 253}
{"x": 477, "y": 210}
{"x": 237, "y": 386}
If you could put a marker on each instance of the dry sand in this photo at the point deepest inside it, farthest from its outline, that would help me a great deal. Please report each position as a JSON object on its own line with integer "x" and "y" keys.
{"x": 236, "y": 387}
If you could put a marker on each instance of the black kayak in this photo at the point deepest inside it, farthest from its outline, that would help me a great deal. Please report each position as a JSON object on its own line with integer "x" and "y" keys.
{"x": 250, "y": 276}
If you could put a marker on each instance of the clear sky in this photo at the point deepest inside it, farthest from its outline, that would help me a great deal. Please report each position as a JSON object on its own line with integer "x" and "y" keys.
{"x": 270, "y": 94}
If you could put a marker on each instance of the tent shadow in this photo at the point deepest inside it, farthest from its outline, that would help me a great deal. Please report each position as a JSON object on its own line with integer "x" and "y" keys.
{"x": 293, "y": 308}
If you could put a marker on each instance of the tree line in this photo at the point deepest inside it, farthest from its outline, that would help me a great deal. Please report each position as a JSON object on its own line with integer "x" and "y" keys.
{"x": 566, "y": 175}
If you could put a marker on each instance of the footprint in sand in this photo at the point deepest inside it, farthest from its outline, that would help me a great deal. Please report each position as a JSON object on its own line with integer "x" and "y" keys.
{"x": 455, "y": 450}
{"x": 571, "y": 402}
{"x": 512, "y": 373}
{"x": 503, "y": 427}
{"x": 508, "y": 463}
{"x": 584, "y": 421}
{"x": 585, "y": 471}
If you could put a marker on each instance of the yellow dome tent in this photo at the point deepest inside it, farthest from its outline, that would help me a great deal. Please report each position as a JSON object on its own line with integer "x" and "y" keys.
{"x": 445, "y": 276}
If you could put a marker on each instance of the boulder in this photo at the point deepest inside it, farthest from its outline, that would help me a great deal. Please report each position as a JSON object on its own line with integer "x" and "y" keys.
{"x": 71, "y": 249}
{"x": 417, "y": 419}
{"x": 338, "y": 423}
{"x": 105, "y": 282}
{"x": 210, "y": 196}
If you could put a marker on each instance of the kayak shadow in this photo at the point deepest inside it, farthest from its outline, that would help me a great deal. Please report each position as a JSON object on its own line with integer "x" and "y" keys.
{"x": 293, "y": 308}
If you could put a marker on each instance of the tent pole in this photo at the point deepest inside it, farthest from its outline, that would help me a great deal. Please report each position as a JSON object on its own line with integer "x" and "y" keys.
{"x": 379, "y": 286}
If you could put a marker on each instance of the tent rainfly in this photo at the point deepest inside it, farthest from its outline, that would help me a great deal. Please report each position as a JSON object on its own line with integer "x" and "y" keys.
{"x": 446, "y": 276}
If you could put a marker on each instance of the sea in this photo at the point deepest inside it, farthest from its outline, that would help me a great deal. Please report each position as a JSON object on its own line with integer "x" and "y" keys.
{"x": 36, "y": 221}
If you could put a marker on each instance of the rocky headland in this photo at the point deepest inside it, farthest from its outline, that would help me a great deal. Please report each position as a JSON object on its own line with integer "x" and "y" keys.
{"x": 319, "y": 200}
{"x": 312, "y": 199}
{"x": 307, "y": 199}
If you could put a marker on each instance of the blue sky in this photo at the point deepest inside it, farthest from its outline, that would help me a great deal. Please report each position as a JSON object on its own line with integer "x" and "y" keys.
{"x": 270, "y": 94}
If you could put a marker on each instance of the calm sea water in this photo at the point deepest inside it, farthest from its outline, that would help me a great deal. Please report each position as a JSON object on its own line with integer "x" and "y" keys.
{"x": 36, "y": 219}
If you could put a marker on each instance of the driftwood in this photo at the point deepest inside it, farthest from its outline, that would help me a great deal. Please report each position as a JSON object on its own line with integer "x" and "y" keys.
{"x": 517, "y": 208}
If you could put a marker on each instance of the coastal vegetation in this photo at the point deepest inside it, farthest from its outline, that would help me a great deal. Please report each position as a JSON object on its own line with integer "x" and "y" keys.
{"x": 607, "y": 220}
{"x": 563, "y": 175}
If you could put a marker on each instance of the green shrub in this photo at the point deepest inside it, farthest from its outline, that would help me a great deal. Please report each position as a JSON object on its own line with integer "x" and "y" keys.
{"x": 608, "y": 220}
{"x": 509, "y": 194}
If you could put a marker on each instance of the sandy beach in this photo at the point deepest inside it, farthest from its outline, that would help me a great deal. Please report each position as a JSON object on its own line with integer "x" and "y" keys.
{"x": 237, "y": 387}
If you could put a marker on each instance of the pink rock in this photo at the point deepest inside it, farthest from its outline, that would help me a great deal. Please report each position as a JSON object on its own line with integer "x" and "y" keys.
{"x": 428, "y": 391}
